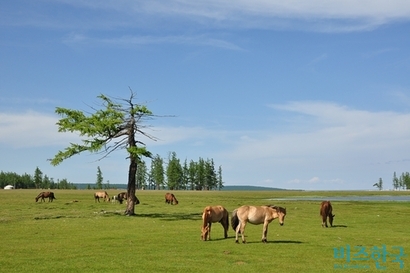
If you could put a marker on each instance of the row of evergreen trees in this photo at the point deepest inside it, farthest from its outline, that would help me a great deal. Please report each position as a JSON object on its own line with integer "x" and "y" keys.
{"x": 38, "y": 181}
{"x": 402, "y": 182}
{"x": 399, "y": 183}
{"x": 195, "y": 175}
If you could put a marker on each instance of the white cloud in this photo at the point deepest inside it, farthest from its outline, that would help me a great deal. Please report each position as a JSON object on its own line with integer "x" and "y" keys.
{"x": 31, "y": 129}
{"x": 132, "y": 41}
{"x": 327, "y": 145}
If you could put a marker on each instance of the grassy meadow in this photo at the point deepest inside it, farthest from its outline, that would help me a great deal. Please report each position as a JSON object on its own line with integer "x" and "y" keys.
{"x": 75, "y": 234}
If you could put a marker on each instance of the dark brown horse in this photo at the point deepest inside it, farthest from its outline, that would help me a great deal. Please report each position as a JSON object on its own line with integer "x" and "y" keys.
{"x": 101, "y": 194}
{"x": 43, "y": 195}
{"x": 214, "y": 214}
{"x": 124, "y": 196}
{"x": 171, "y": 199}
{"x": 326, "y": 211}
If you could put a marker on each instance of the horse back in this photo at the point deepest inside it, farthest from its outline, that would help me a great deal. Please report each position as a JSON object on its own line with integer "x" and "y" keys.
{"x": 325, "y": 208}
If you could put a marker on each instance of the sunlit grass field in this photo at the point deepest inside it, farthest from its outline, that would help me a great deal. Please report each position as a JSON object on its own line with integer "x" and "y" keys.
{"x": 76, "y": 234}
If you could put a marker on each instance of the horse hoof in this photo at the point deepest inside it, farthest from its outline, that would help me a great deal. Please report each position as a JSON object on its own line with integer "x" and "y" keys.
{"x": 236, "y": 241}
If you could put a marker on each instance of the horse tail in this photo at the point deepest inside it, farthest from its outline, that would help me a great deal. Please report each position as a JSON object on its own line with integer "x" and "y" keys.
{"x": 226, "y": 219}
{"x": 234, "y": 220}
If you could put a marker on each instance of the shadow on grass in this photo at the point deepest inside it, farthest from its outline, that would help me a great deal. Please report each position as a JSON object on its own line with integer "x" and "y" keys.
{"x": 275, "y": 242}
{"x": 111, "y": 213}
{"x": 338, "y": 226}
{"x": 171, "y": 217}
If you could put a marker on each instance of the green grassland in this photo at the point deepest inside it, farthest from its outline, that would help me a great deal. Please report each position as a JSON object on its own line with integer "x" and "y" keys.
{"x": 76, "y": 234}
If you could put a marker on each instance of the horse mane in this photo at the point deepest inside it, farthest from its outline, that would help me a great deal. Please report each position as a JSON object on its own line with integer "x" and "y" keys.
{"x": 40, "y": 194}
{"x": 277, "y": 208}
{"x": 206, "y": 216}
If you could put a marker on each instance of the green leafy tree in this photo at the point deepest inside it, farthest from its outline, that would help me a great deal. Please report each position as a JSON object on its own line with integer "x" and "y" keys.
{"x": 38, "y": 178}
{"x": 200, "y": 175}
{"x": 192, "y": 175}
{"x": 46, "y": 184}
{"x": 99, "y": 182}
{"x": 174, "y": 172}
{"x": 220, "y": 182}
{"x": 185, "y": 176}
{"x": 404, "y": 181}
{"x": 157, "y": 172}
{"x": 395, "y": 181}
{"x": 210, "y": 175}
{"x": 142, "y": 175}
{"x": 115, "y": 126}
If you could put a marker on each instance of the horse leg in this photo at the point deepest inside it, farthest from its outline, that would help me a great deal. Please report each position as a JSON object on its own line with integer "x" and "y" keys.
{"x": 237, "y": 232}
{"x": 225, "y": 225}
{"x": 209, "y": 230}
{"x": 240, "y": 229}
{"x": 265, "y": 232}
{"x": 324, "y": 221}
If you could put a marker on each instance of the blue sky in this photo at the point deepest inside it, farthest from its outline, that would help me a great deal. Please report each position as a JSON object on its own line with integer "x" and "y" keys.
{"x": 310, "y": 95}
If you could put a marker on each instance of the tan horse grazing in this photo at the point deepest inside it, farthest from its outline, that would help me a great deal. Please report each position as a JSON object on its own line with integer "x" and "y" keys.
{"x": 171, "y": 199}
{"x": 213, "y": 214}
{"x": 256, "y": 215}
{"x": 124, "y": 196}
{"x": 48, "y": 194}
{"x": 326, "y": 211}
{"x": 101, "y": 194}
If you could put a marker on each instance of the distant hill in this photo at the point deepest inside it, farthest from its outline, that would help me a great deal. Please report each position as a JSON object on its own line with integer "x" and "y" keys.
{"x": 82, "y": 186}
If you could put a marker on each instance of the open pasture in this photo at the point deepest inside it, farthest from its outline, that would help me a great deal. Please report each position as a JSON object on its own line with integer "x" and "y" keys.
{"x": 76, "y": 234}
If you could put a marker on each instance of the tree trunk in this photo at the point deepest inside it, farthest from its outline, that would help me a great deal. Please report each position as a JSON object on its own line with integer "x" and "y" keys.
{"x": 131, "y": 187}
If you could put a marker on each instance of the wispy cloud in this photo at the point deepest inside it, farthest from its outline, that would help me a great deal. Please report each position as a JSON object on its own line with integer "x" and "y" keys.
{"x": 315, "y": 15}
{"x": 132, "y": 41}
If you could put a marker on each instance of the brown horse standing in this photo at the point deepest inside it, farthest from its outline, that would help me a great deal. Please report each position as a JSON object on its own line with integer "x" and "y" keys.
{"x": 256, "y": 215}
{"x": 326, "y": 211}
{"x": 171, "y": 199}
{"x": 124, "y": 196}
{"x": 48, "y": 194}
{"x": 213, "y": 214}
{"x": 101, "y": 194}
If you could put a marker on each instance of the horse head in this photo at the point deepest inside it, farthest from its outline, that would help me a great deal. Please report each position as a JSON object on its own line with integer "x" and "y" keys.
{"x": 204, "y": 232}
{"x": 282, "y": 213}
{"x": 331, "y": 219}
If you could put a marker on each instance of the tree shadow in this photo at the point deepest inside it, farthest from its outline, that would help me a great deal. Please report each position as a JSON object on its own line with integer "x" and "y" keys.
{"x": 171, "y": 217}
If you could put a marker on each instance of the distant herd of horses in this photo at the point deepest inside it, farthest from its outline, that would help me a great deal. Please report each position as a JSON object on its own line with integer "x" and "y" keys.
{"x": 255, "y": 215}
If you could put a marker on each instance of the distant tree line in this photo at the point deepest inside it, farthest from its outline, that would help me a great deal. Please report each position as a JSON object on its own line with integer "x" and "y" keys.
{"x": 402, "y": 182}
{"x": 36, "y": 181}
{"x": 399, "y": 183}
{"x": 172, "y": 175}
{"x": 192, "y": 175}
